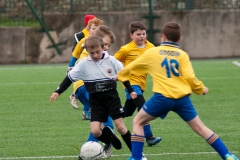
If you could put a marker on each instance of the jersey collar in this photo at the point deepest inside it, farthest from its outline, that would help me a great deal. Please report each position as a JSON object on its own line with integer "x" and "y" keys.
{"x": 172, "y": 44}
{"x": 104, "y": 56}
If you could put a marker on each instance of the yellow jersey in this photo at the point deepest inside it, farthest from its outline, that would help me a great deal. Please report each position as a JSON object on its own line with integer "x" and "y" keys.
{"x": 170, "y": 68}
{"x": 85, "y": 32}
{"x": 78, "y": 49}
{"x": 127, "y": 54}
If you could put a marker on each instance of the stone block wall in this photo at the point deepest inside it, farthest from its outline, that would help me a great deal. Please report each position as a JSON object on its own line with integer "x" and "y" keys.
{"x": 205, "y": 34}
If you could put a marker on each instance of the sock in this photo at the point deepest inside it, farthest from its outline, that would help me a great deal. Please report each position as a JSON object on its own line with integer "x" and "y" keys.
{"x": 147, "y": 131}
{"x": 137, "y": 146}
{"x": 86, "y": 108}
{"x": 127, "y": 140}
{"x": 109, "y": 123}
{"x": 91, "y": 138}
{"x": 218, "y": 145}
{"x": 104, "y": 138}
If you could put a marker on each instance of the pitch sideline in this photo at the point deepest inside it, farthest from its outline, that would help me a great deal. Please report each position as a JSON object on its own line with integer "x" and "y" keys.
{"x": 116, "y": 155}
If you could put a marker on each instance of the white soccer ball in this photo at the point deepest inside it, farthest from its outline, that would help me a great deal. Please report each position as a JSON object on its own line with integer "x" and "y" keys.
{"x": 91, "y": 151}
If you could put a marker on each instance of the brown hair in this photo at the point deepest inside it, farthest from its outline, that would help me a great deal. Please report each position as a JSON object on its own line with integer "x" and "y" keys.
{"x": 172, "y": 30}
{"x": 134, "y": 26}
{"x": 103, "y": 31}
{"x": 95, "y": 21}
{"x": 93, "y": 42}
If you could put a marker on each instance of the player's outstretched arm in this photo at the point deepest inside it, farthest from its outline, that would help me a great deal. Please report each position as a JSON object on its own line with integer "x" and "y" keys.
{"x": 63, "y": 86}
{"x": 53, "y": 96}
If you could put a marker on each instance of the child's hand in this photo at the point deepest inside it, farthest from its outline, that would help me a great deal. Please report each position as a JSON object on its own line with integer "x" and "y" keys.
{"x": 53, "y": 96}
{"x": 133, "y": 95}
{"x": 69, "y": 69}
{"x": 205, "y": 91}
{"x": 115, "y": 78}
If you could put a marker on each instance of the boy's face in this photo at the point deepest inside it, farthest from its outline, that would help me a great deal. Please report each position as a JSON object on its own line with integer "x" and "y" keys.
{"x": 92, "y": 29}
{"x": 139, "y": 37}
{"x": 107, "y": 42}
{"x": 95, "y": 53}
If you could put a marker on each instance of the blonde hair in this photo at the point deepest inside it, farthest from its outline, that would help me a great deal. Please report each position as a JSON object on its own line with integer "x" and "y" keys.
{"x": 95, "y": 21}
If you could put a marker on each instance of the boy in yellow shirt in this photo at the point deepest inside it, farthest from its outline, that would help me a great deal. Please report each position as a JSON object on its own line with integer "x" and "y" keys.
{"x": 174, "y": 81}
{"x": 127, "y": 54}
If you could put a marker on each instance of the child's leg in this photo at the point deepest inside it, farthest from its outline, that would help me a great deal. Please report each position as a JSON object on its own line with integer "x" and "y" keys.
{"x": 105, "y": 135}
{"x": 109, "y": 123}
{"x": 139, "y": 102}
{"x": 108, "y": 137}
{"x": 129, "y": 107}
{"x": 184, "y": 104}
{"x": 137, "y": 137}
{"x": 83, "y": 96}
{"x": 212, "y": 138}
{"x": 91, "y": 138}
{"x": 125, "y": 133}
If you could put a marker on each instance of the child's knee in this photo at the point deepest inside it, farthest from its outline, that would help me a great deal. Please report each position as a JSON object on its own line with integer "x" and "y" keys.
{"x": 137, "y": 121}
{"x": 121, "y": 129}
{"x": 96, "y": 132}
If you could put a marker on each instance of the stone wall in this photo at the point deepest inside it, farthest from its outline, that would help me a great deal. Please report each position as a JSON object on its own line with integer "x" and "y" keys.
{"x": 19, "y": 45}
{"x": 205, "y": 34}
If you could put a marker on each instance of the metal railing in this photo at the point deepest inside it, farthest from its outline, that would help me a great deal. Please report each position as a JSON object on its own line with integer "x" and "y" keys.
{"x": 17, "y": 12}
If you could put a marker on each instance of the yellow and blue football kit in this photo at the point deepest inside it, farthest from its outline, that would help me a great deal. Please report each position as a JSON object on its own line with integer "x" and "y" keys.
{"x": 173, "y": 81}
{"x": 77, "y": 38}
{"x": 170, "y": 68}
{"x": 77, "y": 52}
{"x": 127, "y": 54}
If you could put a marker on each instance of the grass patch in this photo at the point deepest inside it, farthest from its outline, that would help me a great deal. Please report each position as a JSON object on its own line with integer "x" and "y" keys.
{"x": 33, "y": 128}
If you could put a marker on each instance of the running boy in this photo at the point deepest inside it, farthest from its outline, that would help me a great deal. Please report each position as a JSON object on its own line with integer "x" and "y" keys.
{"x": 127, "y": 54}
{"x": 173, "y": 81}
{"x": 91, "y": 27}
{"x": 98, "y": 72}
{"x": 79, "y": 88}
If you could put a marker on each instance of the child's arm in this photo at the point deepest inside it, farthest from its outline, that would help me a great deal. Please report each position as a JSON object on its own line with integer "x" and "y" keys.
{"x": 75, "y": 74}
{"x": 76, "y": 53}
{"x": 121, "y": 54}
{"x": 63, "y": 86}
{"x": 129, "y": 89}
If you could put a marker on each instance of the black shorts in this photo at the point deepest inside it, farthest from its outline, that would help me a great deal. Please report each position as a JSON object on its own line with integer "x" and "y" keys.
{"x": 131, "y": 105}
{"x": 104, "y": 104}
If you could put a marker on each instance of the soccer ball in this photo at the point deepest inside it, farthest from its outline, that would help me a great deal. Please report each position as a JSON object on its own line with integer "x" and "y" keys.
{"x": 91, "y": 151}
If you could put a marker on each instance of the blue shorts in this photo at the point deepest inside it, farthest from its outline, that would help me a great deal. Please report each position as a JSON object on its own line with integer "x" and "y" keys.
{"x": 136, "y": 88}
{"x": 159, "y": 106}
{"x": 83, "y": 96}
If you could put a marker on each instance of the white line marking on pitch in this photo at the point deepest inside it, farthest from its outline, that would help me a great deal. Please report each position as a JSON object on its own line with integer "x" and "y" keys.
{"x": 236, "y": 63}
{"x": 25, "y": 83}
{"x": 32, "y": 68}
{"x": 116, "y": 155}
